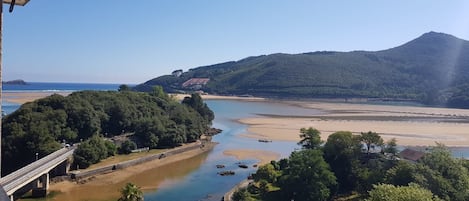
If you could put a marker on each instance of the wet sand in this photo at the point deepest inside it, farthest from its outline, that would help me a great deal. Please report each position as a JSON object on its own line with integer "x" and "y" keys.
{"x": 24, "y": 97}
{"x": 264, "y": 157}
{"x": 409, "y": 125}
{"x": 148, "y": 176}
{"x": 217, "y": 97}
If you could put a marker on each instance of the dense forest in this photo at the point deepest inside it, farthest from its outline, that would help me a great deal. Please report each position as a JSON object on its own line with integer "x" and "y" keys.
{"x": 431, "y": 69}
{"x": 351, "y": 167}
{"x": 154, "y": 119}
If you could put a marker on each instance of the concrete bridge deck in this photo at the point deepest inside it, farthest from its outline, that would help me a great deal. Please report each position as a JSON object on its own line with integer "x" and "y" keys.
{"x": 35, "y": 170}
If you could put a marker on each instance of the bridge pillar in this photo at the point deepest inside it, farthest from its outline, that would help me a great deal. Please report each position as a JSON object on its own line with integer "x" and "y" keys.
{"x": 41, "y": 191}
{"x": 45, "y": 180}
{"x": 61, "y": 169}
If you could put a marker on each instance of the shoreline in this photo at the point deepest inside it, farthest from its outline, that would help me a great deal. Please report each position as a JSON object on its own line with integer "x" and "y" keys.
{"x": 410, "y": 125}
{"x": 219, "y": 97}
{"x": 89, "y": 188}
{"x": 21, "y": 97}
{"x": 24, "y": 97}
{"x": 417, "y": 126}
{"x": 262, "y": 156}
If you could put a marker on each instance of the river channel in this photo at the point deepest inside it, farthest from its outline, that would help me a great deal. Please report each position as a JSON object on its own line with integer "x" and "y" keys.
{"x": 203, "y": 183}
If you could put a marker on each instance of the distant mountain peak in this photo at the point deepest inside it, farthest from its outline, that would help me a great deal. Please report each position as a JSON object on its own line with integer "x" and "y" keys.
{"x": 437, "y": 35}
{"x": 425, "y": 70}
{"x": 434, "y": 33}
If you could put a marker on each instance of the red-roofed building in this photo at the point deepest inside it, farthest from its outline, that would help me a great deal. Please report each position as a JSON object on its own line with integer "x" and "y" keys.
{"x": 411, "y": 155}
{"x": 195, "y": 83}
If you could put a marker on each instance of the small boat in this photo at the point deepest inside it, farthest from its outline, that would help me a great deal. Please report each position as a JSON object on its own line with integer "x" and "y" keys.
{"x": 243, "y": 166}
{"x": 264, "y": 140}
{"x": 226, "y": 173}
{"x": 220, "y": 166}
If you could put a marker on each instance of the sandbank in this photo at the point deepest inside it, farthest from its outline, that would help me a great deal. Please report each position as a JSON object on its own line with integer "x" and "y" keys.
{"x": 412, "y": 126}
{"x": 148, "y": 176}
{"x": 264, "y": 157}
{"x": 24, "y": 97}
{"x": 218, "y": 97}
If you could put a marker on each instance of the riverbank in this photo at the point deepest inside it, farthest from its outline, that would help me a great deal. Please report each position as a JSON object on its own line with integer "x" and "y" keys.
{"x": 411, "y": 126}
{"x": 147, "y": 175}
{"x": 264, "y": 157}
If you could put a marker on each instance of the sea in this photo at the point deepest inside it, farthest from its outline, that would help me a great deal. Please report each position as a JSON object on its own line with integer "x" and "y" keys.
{"x": 202, "y": 183}
{"x": 8, "y": 107}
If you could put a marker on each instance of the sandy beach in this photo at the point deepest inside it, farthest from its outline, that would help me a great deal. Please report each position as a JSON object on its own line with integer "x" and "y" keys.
{"x": 415, "y": 126}
{"x": 217, "y": 97}
{"x": 24, "y": 97}
{"x": 264, "y": 157}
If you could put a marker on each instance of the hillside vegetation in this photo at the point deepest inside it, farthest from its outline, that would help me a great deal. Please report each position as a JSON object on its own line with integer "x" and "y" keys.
{"x": 156, "y": 120}
{"x": 431, "y": 69}
{"x": 341, "y": 170}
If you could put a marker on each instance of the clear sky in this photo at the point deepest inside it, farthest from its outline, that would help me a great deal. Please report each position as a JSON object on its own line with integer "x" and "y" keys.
{"x": 122, "y": 41}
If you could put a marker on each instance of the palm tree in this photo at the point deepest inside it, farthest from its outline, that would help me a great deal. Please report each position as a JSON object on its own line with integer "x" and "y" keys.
{"x": 131, "y": 192}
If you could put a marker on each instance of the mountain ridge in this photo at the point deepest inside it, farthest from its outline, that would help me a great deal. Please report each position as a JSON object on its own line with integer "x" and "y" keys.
{"x": 430, "y": 69}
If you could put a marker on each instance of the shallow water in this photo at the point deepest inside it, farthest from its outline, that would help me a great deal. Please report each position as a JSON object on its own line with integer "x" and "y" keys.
{"x": 148, "y": 180}
{"x": 196, "y": 178}
{"x": 204, "y": 183}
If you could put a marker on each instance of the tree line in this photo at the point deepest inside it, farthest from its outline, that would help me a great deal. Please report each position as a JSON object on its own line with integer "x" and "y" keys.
{"x": 156, "y": 119}
{"x": 417, "y": 71}
{"x": 358, "y": 167}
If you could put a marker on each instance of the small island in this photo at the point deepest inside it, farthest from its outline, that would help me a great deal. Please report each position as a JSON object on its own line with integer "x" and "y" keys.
{"x": 15, "y": 82}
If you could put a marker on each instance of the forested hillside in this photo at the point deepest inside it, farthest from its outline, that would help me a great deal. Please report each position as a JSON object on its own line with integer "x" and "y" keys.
{"x": 157, "y": 121}
{"x": 432, "y": 69}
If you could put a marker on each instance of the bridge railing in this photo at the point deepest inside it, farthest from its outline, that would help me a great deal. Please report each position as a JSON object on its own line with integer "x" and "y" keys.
{"x": 26, "y": 176}
{"x": 32, "y": 166}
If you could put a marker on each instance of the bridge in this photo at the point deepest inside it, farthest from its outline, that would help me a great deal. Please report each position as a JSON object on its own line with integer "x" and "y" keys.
{"x": 37, "y": 172}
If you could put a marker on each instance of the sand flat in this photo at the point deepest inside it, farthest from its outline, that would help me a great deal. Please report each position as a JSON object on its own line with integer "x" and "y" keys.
{"x": 218, "y": 97}
{"x": 263, "y": 156}
{"x": 415, "y": 126}
{"x": 24, "y": 97}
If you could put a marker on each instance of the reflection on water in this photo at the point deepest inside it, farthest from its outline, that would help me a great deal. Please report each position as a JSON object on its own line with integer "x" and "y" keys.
{"x": 196, "y": 178}
{"x": 148, "y": 180}
{"x": 204, "y": 184}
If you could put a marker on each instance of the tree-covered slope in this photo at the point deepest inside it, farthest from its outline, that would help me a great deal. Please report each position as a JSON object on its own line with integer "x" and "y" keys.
{"x": 156, "y": 119}
{"x": 432, "y": 69}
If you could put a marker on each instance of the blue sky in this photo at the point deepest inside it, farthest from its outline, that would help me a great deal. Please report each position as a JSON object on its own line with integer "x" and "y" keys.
{"x": 117, "y": 41}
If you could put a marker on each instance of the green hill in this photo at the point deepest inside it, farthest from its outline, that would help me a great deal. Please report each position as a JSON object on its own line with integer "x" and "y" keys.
{"x": 154, "y": 120}
{"x": 432, "y": 69}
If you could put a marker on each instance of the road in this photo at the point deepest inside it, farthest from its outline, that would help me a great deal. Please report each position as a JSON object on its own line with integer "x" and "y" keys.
{"x": 25, "y": 175}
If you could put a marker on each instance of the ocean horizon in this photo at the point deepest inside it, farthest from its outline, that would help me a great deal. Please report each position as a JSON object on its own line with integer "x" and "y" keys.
{"x": 59, "y": 87}
{"x": 31, "y": 87}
